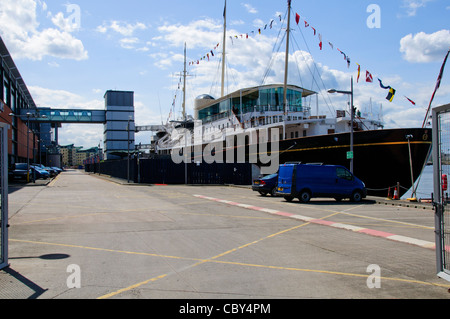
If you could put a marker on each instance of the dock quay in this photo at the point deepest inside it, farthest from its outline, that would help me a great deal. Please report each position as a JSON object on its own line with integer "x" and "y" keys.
{"x": 86, "y": 236}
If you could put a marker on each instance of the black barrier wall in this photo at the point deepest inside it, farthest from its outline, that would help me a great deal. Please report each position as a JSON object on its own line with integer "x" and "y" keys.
{"x": 165, "y": 171}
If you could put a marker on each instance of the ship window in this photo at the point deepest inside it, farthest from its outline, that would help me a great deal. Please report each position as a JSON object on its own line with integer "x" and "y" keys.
{"x": 271, "y": 97}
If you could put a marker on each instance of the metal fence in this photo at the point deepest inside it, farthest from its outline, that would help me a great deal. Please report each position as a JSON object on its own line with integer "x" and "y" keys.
{"x": 441, "y": 168}
{"x": 165, "y": 171}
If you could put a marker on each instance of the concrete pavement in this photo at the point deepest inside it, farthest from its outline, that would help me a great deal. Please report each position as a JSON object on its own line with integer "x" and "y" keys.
{"x": 85, "y": 236}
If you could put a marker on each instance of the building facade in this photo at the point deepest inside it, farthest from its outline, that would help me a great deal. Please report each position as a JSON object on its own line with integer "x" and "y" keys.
{"x": 16, "y": 107}
{"x": 75, "y": 156}
{"x": 119, "y": 128}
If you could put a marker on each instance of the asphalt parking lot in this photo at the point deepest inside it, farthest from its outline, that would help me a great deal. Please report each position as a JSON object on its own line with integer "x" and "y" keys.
{"x": 83, "y": 236}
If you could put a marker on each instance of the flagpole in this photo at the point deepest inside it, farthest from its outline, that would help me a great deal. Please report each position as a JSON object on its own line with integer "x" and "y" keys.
{"x": 224, "y": 47}
{"x": 184, "y": 84}
{"x": 438, "y": 84}
{"x": 286, "y": 67}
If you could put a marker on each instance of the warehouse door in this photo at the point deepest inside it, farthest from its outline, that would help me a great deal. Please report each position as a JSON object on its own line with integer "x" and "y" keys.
{"x": 3, "y": 195}
{"x": 441, "y": 168}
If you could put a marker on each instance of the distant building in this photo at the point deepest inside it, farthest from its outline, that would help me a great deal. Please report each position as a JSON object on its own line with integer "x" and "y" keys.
{"x": 74, "y": 156}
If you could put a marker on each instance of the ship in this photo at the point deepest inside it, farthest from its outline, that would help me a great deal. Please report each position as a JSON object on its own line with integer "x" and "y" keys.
{"x": 276, "y": 122}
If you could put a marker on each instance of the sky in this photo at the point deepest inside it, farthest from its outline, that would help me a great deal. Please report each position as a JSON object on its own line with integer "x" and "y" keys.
{"x": 71, "y": 53}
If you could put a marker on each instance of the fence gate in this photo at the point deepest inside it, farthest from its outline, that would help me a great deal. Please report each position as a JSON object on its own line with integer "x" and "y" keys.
{"x": 441, "y": 169}
{"x": 3, "y": 195}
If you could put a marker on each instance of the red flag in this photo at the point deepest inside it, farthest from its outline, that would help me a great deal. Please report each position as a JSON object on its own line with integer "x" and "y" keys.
{"x": 297, "y": 18}
{"x": 306, "y": 24}
{"x": 414, "y": 103}
{"x": 320, "y": 43}
{"x": 369, "y": 77}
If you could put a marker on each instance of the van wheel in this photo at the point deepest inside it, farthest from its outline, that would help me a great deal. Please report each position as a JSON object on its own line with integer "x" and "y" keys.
{"x": 356, "y": 196}
{"x": 288, "y": 198}
{"x": 305, "y": 196}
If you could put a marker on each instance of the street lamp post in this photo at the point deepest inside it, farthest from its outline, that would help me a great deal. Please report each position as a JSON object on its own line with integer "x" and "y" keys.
{"x": 352, "y": 118}
{"x": 128, "y": 152}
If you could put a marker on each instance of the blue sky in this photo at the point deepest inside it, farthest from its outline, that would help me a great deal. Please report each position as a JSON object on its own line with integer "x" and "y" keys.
{"x": 71, "y": 53}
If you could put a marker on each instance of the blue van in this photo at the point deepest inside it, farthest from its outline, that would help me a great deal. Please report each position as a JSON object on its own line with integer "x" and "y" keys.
{"x": 305, "y": 181}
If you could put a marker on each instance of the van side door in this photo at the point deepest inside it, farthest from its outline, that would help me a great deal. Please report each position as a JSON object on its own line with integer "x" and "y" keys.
{"x": 344, "y": 181}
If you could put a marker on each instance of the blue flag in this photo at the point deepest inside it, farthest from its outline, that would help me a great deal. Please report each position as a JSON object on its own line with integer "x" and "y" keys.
{"x": 382, "y": 86}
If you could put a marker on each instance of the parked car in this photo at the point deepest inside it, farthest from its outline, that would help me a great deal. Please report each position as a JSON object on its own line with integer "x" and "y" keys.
{"x": 305, "y": 181}
{"x": 266, "y": 185}
{"x": 51, "y": 171}
{"x": 18, "y": 172}
{"x": 38, "y": 172}
{"x": 57, "y": 169}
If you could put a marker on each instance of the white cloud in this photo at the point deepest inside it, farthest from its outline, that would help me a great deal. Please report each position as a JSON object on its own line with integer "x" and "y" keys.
{"x": 422, "y": 47}
{"x": 249, "y": 8}
{"x": 129, "y": 43}
{"x": 19, "y": 28}
{"x": 64, "y": 24}
{"x": 413, "y": 5}
{"x": 127, "y": 30}
{"x": 200, "y": 33}
{"x": 62, "y": 99}
{"x": 123, "y": 28}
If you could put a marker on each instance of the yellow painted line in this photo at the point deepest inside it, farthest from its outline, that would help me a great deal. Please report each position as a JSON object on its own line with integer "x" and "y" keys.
{"x": 346, "y": 146}
{"x": 53, "y": 181}
{"x": 103, "y": 249}
{"x": 331, "y": 273}
{"x": 58, "y": 218}
{"x": 131, "y": 287}
{"x": 86, "y": 215}
{"x": 214, "y": 260}
{"x": 390, "y": 221}
{"x": 231, "y": 216}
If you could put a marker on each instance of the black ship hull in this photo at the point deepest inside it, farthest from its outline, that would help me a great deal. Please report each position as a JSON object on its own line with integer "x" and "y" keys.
{"x": 381, "y": 158}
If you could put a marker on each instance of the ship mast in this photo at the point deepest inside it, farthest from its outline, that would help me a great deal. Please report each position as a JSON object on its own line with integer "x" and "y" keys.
{"x": 288, "y": 31}
{"x": 184, "y": 84}
{"x": 224, "y": 47}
